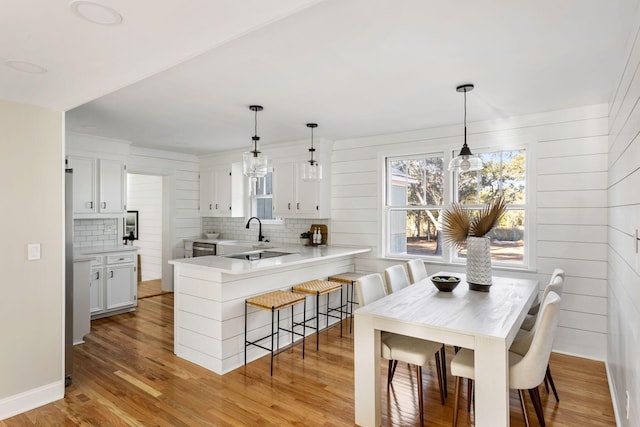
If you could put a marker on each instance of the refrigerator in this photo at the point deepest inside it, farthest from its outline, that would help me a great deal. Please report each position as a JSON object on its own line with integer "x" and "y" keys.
{"x": 68, "y": 264}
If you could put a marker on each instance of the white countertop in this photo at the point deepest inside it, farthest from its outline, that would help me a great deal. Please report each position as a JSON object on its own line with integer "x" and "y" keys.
{"x": 299, "y": 255}
{"x": 107, "y": 249}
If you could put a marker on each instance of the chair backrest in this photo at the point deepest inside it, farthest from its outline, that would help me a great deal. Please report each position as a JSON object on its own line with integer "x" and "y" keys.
{"x": 396, "y": 278}
{"x": 370, "y": 288}
{"x": 554, "y": 285}
{"x": 556, "y": 272}
{"x": 417, "y": 270}
{"x": 530, "y": 370}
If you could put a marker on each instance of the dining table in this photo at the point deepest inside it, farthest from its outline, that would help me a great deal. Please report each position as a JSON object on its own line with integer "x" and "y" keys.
{"x": 486, "y": 322}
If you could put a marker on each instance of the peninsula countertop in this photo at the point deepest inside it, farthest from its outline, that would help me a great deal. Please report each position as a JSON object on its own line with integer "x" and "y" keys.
{"x": 297, "y": 254}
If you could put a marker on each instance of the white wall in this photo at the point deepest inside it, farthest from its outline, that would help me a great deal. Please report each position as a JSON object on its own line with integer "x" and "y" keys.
{"x": 624, "y": 219}
{"x": 31, "y": 306}
{"x": 144, "y": 194}
{"x": 569, "y": 150}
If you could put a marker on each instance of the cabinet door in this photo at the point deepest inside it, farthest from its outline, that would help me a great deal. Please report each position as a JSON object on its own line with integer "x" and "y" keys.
{"x": 222, "y": 193}
{"x": 111, "y": 186}
{"x": 306, "y": 196}
{"x": 283, "y": 185}
{"x": 84, "y": 184}
{"x": 120, "y": 286}
{"x": 96, "y": 291}
{"x": 206, "y": 193}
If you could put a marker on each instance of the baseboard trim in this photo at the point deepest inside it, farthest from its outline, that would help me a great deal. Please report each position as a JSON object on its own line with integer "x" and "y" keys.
{"x": 614, "y": 396}
{"x": 30, "y": 399}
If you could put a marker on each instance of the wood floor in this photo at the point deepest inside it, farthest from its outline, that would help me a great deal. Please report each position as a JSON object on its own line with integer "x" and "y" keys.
{"x": 150, "y": 288}
{"x": 126, "y": 374}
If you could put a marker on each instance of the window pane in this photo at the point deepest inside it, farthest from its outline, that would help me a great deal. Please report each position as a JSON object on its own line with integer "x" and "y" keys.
{"x": 416, "y": 182}
{"x": 503, "y": 173}
{"x": 263, "y": 185}
{"x": 414, "y": 232}
{"x": 507, "y": 239}
{"x": 263, "y": 208}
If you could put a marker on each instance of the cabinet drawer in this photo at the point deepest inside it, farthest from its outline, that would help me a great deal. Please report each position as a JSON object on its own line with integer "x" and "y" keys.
{"x": 121, "y": 258}
{"x": 96, "y": 261}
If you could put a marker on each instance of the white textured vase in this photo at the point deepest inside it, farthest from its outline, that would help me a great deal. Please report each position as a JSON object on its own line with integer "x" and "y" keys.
{"x": 479, "y": 263}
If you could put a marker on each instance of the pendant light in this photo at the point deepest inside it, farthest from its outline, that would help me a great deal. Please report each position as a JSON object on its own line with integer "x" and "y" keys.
{"x": 311, "y": 170}
{"x": 253, "y": 164}
{"x": 465, "y": 161}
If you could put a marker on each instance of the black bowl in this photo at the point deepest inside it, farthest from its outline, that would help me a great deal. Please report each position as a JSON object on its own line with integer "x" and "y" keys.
{"x": 445, "y": 283}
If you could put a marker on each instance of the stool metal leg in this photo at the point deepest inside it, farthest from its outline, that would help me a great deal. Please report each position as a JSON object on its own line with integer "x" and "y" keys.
{"x": 317, "y": 321}
{"x": 353, "y": 286}
{"x": 272, "y": 319}
{"x": 245, "y": 333}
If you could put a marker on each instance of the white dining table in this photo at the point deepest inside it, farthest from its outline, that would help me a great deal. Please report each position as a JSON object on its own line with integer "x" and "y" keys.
{"x": 486, "y": 322}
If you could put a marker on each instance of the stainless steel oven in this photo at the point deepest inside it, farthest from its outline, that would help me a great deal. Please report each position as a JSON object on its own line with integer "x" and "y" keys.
{"x": 203, "y": 249}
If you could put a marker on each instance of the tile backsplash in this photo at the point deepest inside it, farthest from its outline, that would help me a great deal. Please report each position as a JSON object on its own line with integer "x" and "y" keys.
{"x": 95, "y": 233}
{"x": 234, "y": 229}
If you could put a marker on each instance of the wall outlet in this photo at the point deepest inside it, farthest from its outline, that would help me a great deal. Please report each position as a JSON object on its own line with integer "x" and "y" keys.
{"x": 33, "y": 251}
{"x": 626, "y": 404}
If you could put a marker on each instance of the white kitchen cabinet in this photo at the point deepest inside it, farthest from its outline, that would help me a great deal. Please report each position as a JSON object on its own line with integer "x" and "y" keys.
{"x": 295, "y": 198}
{"x": 81, "y": 299}
{"x": 221, "y": 192}
{"x": 114, "y": 286}
{"x": 98, "y": 186}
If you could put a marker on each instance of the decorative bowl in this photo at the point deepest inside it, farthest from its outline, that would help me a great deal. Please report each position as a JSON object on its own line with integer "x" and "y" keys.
{"x": 212, "y": 235}
{"x": 445, "y": 283}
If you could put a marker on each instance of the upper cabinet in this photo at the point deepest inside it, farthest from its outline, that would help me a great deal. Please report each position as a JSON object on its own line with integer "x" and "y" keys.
{"x": 98, "y": 187}
{"x": 295, "y": 198}
{"x": 222, "y": 192}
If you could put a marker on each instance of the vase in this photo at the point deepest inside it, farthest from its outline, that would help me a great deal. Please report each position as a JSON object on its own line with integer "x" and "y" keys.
{"x": 479, "y": 263}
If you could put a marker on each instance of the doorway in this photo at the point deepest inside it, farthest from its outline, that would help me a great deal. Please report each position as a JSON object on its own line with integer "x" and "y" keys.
{"x": 145, "y": 195}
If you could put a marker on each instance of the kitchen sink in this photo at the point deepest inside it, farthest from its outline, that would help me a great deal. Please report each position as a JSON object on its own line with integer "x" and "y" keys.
{"x": 254, "y": 256}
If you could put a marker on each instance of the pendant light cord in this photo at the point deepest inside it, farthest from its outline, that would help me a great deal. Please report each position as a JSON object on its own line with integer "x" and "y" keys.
{"x": 465, "y": 117}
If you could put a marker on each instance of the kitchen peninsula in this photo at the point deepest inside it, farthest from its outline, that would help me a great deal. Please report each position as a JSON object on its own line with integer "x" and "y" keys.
{"x": 210, "y": 292}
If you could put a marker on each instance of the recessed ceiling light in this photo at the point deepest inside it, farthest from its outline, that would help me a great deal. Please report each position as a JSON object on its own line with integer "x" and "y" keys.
{"x": 25, "y": 67}
{"x": 95, "y": 12}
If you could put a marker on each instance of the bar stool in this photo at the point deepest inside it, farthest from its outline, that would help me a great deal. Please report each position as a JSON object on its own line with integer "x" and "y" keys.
{"x": 275, "y": 301}
{"x": 317, "y": 288}
{"x": 348, "y": 279}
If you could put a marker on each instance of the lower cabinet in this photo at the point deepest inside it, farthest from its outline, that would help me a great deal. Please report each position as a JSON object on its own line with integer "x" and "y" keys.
{"x": 114, "y": 286}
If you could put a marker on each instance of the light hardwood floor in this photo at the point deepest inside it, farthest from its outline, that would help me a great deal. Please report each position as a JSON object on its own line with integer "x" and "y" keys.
{"x": 150, "y": 288}
{"x": 126, "y": 374}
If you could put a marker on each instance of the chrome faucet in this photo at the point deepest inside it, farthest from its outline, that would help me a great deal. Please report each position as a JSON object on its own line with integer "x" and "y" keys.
{"x": 260, "y": 236}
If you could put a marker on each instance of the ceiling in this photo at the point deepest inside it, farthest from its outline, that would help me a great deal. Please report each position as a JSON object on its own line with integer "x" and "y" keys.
{"x": 180, "y": 76}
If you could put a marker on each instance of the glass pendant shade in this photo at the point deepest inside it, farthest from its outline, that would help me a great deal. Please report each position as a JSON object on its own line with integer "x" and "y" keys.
{"x": 253, "y": 164}
{"x": 465, "y": 161}
{"x": 311, "y": 170}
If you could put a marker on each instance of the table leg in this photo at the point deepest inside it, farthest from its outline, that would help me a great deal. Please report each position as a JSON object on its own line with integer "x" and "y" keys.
{"x": 367, "y": 372}
{"x": 491, "y": 383}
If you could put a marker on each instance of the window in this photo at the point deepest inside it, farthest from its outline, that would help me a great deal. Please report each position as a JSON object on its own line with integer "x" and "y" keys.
{"x": 262, "y": 197}
{"x": 418, "y": 188}
{"x": 415, "y": 198}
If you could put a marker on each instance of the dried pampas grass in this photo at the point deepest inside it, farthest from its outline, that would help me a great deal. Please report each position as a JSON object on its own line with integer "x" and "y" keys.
{"x": 458, "y": 223}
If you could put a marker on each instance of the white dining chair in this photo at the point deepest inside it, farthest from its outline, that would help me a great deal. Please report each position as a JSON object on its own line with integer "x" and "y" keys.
{"x": 397, "y": 347}
{"x": 525, "y": 372}
{"x": 417, "y": 270}
{"x": 557, "y": 272}
{"x": 396, "y": 278}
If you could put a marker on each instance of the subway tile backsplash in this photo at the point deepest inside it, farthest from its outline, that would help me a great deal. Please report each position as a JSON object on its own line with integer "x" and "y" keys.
{"x": 286, "y": 233}
{"x": 95, "y": 233}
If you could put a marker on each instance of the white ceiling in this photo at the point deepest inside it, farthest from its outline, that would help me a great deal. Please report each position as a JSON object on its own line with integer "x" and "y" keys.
{"x": 357, "y": 67}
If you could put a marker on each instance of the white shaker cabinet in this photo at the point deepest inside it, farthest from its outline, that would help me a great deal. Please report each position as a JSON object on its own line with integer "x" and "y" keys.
{"x": 114, "y": 286}
{"x": 81, "y": 297}
{"x": 98, "y": 186}
{"x": 221, "y": 192}
{"x": 295, "y": 198}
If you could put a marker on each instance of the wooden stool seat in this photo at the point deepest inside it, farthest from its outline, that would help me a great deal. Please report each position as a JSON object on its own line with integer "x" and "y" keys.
{"x": 317, "y": 288}
{"x": 274, "y": 302}
{"x": 349, "y": 279}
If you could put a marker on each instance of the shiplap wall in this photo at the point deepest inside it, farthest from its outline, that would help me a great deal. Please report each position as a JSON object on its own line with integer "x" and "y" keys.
{"x": 568, "y": 183}
{"x": 144, "y": 194}
{"x": 624, "y": 219}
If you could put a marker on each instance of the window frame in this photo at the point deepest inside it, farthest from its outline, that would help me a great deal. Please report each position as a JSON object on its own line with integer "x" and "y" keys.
{"x": 252, "y": 199}
{"x": 490, "y": 144}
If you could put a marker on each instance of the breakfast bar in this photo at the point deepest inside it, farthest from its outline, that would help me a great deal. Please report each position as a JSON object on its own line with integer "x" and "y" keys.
{"x": 210, "y": 292}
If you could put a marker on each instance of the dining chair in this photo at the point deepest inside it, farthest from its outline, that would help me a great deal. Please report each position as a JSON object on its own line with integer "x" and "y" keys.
{"x": 525, "y": 372}
{"x": 524, "y": 337}
{"x": 396, "y": 347}
{"x": 396, "y": 278}
{"x": 417, "y": 270}
{"x": 557, "y": 272}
